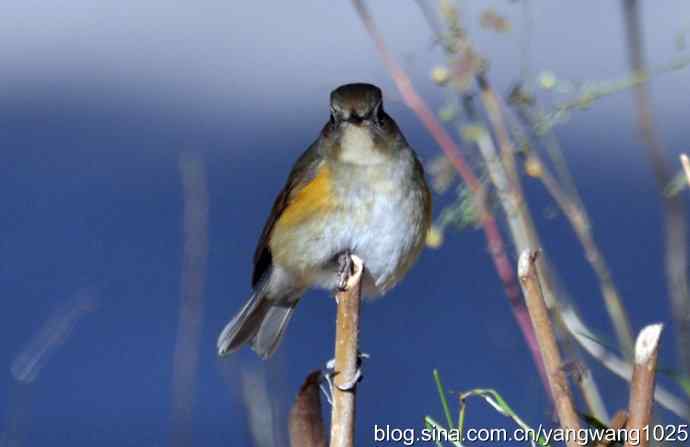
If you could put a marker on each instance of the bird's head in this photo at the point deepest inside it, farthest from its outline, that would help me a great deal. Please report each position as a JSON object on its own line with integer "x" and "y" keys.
{"x": 356, "y": 103}
{"x": 362, "y": 131}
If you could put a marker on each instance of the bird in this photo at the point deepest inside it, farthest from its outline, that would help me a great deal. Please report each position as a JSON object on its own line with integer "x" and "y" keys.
{"x": 358, "y": 189}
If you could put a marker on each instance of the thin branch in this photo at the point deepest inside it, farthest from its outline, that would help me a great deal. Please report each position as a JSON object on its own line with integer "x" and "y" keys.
{"x": 590, "y": 391}
{"x": 675, "y": 226}
{"x": 258, "y": 402}
{"x": 579, "y": 221}
{"x": 685, "y": 161}
{"x": 513, "y": 200}
{"x": 27, "y": 365}
{"x": 617, "y": 365}
{"x": 503, "y": 265}
{"x": 429, "y": 16}
{"x": 560, "y": 391}
{"x": 567, "y": 198}
{"x": 643, "y": 380}
{"x": 52, "y": 335}
{"x": 596, "y": 90}
{"x": 508, "y": 198}
{"x": 526, "y": 39}
{"x": 511, "y": 197}
{"x": 186, "y": 356}
{"x": 504, "y": 176}
{"x": 554, "y": 151}
{"x": 346, "y": 358}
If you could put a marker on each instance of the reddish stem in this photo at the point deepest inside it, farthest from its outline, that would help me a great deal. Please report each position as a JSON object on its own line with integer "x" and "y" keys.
{"x": 503, "y": 266}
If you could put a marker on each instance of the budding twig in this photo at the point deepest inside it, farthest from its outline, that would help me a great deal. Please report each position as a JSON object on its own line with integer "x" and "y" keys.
{"x": 673, "y": 206}
{"x": 494, "y": 238}
{"x": 346, "y": 358}
{"x": 618, "y": 366}
{"x": 686, "y": 166}
{"x": 643, "y": 381}
{"x": 579, "y": 220}
{"x": 186, "y": 356}
{"x": 560, "y": 391}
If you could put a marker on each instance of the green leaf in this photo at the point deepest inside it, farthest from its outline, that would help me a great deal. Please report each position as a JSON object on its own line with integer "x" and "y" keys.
{"x": 430, "y": 423}
{"x": 472, "y": 132}
{"x": 442, "y": 394}
{"x": 501, "y": 406}
{"x": 677, "y": 184}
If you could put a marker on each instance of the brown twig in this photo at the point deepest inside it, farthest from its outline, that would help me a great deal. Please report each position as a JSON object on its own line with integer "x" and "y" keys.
{"x": 519, "y": 224}
{"x": 346, "y": 358}
{"x": 496, "y": 246}
{"x": 675, "y": 227}
{"x": 569, "y": 202}
{"x": 614, "y": 363}
{"x": 510, "y": 188}
{"x": 259, "y": 403}
{"x": 305, "y": 421}
{"x": 560, "y": 391}
{"x": 564, "y": 192}
{"x": 642, "y": 384}
{"x": 579, "y": 221}
{"x": 505, "y": 178}
{"x": 186, "y": 354}
{"x": 504, "y": 175}
{"x": 589, "y": 388}
{"x": 685, "y": 161}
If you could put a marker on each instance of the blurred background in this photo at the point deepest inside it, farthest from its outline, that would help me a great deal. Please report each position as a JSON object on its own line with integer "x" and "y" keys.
{"x": 99, "y": 101}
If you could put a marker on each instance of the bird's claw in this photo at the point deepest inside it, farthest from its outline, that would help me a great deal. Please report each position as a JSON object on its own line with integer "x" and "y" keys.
{"x": 327, "y": 391}
{"x": 345, "y": 270}
{"x": 329, "y": 372}
{"x": 350, "y": 384}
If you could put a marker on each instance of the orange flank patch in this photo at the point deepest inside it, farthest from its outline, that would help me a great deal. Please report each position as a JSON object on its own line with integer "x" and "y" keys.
{"x": 311, "y": 200}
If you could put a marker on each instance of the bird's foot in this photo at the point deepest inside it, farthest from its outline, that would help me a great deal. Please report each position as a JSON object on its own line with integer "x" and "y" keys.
{"x": 329, "y": 373}
{"x": 326, "y": 384}
{"x": 345, "y": 270}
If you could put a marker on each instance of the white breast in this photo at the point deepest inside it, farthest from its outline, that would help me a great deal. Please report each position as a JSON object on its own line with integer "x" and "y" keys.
{"x": 358, "y": 147}
{"x": 381, "y": 219}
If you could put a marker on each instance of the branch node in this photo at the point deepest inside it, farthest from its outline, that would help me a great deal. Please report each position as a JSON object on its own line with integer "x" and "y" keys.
{"x": 647, "y": 342}
{"x": 346, "y": 365}
{"x": 525, "y": 263}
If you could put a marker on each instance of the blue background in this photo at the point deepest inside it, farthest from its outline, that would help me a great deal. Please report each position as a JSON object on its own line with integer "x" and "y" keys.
{"x": 98, "y": 102}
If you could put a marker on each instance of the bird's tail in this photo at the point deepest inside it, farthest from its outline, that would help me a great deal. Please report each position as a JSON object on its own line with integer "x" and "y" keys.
{"x": 261, "y": 323}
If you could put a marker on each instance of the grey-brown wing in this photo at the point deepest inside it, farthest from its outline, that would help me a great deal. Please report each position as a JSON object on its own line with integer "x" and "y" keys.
{"x": 302, "y": 172}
